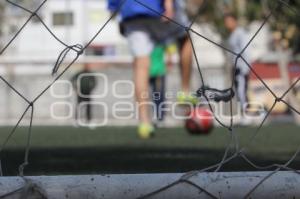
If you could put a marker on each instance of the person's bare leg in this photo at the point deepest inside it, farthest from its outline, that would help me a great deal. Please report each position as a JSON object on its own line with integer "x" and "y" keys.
{"x": 186, "y": 60}
{"x": 141, "y": 81}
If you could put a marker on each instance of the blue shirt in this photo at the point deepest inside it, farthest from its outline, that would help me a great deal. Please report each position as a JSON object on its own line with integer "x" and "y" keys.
{"x": 131, "y": 8}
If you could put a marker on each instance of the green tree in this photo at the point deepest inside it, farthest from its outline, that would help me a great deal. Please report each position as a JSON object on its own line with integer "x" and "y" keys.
{"x": 285, "y": 19}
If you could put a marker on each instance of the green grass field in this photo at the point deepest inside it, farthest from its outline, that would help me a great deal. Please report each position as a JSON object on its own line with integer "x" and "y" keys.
{"x": 68, "y": 150}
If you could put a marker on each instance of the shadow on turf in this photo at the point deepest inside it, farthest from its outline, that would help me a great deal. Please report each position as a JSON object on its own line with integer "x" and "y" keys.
{"x": 121, "y": 160}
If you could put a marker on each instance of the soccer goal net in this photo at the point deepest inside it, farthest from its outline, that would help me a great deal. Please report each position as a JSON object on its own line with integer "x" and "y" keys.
{"x": 19, "y": 77}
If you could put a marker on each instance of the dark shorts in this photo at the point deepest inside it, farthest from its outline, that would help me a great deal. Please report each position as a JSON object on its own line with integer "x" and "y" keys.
{"x": 159, "y": 31}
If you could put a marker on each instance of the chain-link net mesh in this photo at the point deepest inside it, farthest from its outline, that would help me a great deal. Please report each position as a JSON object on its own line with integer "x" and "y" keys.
{"x": 30, "y": 188}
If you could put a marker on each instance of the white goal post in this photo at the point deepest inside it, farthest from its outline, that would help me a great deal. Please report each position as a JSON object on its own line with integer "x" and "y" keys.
{"x": 283, "y": 184}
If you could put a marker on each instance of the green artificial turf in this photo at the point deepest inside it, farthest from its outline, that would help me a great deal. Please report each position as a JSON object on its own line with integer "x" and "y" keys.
{"x": 119, "y": 150}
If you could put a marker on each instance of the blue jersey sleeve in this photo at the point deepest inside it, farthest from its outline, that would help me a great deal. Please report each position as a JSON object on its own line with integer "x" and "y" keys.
{"x": 131, "y": 8}
{"x": 113, "y": 5}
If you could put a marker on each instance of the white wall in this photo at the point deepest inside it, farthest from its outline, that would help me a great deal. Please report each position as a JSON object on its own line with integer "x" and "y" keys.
{"x": 89, "y": 17}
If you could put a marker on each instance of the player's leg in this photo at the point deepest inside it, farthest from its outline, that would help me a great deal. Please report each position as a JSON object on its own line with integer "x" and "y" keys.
{"x": 141, "y": 46}
{"x": 154, "y": 95}
{"x": 141, "y": 65}
{"x": 186, "y": 60}
{"x": 185, "y": 52}
{"x": 185, "y": 49}
{"x": 79, "y": 110}
{"x": 158, "y": 96}
{"x": 241, "y": 84}
{"x": 88, "y": 109}
{"x": 77, "y": 113}
{"x": 162, "y": 90}
{"x": 157, "y": 80}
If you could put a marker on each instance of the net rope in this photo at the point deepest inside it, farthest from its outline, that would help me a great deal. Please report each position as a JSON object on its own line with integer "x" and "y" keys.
{"x": 78, "y": 49}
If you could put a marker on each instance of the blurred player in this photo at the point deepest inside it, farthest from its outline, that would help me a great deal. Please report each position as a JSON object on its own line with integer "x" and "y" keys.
{"x": 84, "y": 82}
{"x": 142, "y": 29}
{"x": 238, "y": 41}
{"x": 185, "y": 52}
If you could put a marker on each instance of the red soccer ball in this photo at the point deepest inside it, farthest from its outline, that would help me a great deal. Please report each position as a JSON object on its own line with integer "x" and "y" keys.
{"x": 200, "y": 121}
